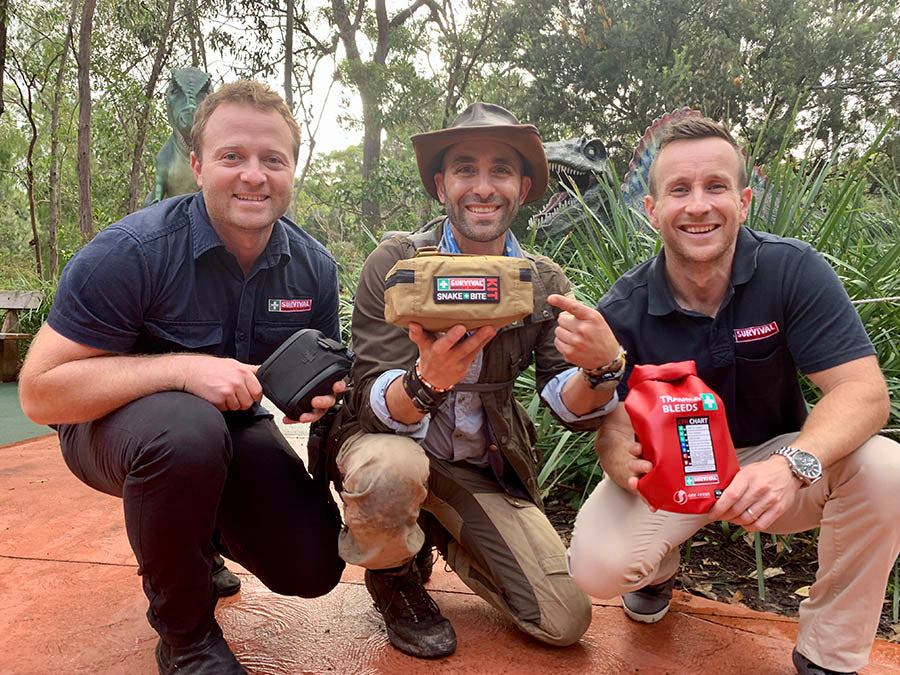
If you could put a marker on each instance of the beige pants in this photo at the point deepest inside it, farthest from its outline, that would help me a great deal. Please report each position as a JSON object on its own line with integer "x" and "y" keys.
{"x": 618, "y": 546}
{"x": 503, "y": 548}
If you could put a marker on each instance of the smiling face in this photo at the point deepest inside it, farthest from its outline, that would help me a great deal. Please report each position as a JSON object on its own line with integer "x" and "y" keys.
{"x": 699, "y": 205}
{"x": 246, "y": 169}
{"x": 482, "y": 185}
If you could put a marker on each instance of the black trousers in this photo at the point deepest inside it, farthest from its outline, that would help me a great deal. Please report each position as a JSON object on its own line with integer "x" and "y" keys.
{"x": 186, "y": 474}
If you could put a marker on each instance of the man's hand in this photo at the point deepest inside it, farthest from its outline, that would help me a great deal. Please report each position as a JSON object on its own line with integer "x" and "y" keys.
{"x": 320, "y": 405}
{"x": 444, "y": 359}
{"x": 620, "y": 455}
{"x": 226, "y": 383}
{"x": 582, "y": 334}
{"x": 758, "y": 495}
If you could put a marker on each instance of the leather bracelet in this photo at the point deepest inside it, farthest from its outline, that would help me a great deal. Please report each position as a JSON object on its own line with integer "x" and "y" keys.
{"x": 612, "y": 372}
{"x": 425, "y": 400}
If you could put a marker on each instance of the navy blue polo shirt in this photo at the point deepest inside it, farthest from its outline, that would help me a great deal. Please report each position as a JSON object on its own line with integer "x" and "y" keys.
{"x": 785, "y": 310}
{"x": 160, "y": 280}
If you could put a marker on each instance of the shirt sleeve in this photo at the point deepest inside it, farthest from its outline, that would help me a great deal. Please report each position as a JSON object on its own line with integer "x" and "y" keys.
{"x": 378, "y": 401}
{"x": 552, "y": 396}
{"x": 823, "y": 328}
{"x": 102, "y": 293}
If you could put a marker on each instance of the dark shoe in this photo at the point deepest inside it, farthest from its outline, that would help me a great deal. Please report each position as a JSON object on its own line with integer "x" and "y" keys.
{"x": 650, "y": 603}
{"x": 806, "y": 667}
{"x": 413, "y": 621}
{"x": 425, "y": 561}
{"x": 209, "y": 656}
{"x": 226, "y": 582}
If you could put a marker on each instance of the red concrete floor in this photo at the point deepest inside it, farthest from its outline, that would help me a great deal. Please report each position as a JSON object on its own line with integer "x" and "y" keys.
{"x": 71, "y": 602}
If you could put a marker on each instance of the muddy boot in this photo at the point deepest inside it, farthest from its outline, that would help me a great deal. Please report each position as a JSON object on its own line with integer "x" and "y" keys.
{"x": 413, "y": 620}
{"x": 425, "y": 561}
{"x": 210, "y": 655}
{"x": 226, "y": 582}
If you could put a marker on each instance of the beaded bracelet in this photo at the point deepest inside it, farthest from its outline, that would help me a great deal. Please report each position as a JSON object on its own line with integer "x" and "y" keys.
{"x": 613, "y": 371}
{"x": 429, "y": 385}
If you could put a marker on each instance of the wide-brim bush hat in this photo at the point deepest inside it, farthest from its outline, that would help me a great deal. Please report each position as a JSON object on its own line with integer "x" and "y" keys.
{"x": 484, "y": 122}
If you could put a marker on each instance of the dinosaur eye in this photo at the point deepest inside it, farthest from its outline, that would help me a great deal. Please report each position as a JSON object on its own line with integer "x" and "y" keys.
{"x": 595, "y": 150}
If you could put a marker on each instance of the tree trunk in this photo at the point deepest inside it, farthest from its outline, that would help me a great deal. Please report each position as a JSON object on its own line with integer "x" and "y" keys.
{"x": 4, "y": 6}
{"x": 27, "y": 103}
{"x": 53, "y": 232}
{"x": 289, "y": 55}
{"x": 158, "y": 60}
{"x": 85, "y": 200}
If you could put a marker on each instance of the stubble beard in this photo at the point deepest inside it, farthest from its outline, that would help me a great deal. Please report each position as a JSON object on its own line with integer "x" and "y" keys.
{"x": 482, "y": 234}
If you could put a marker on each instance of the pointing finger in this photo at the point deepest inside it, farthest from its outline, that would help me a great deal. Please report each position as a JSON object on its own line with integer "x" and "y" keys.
{"x": 577, "y": 309}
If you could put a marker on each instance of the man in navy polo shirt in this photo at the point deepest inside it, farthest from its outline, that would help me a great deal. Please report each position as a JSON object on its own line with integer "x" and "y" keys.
{"x": 751, "y": 309}
{"x": 147, "y": 367}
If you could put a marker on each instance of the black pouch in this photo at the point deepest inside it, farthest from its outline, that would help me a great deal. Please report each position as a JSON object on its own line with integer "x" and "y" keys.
{"x": 307, "y": 364}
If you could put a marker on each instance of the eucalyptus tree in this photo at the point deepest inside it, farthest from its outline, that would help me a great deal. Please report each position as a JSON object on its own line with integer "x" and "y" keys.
{"x": 612, "y": 67}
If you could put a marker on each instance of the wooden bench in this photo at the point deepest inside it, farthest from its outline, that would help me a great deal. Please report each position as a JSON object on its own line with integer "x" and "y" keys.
{"x": 13, "y": 302}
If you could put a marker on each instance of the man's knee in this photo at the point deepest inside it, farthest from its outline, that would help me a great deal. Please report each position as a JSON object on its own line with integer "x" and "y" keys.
{"x": 875, "y": 468}
{"x": 385, "y": 474}
{"x": 565, "y": 623}
{"x": 605, "y": 571}
{"x": 191, "y": 442}
{"x": 314, "y": 580}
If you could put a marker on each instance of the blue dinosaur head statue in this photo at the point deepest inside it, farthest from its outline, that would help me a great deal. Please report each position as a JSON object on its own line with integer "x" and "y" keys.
{"x": 187, "y": 87}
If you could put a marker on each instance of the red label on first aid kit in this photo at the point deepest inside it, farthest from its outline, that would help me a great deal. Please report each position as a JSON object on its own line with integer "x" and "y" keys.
{"x": 681, "y": 426}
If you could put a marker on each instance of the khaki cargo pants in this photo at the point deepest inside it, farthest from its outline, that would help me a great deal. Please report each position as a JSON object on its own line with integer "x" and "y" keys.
{"x": 501, "y": 547}
{"x": 619, "y": 546}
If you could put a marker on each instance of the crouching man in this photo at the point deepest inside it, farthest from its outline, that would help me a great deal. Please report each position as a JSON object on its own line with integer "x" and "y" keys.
{"x": 144, "y": 366}
{"x": 436, "y": 439}
{"x": 751, "y": 309}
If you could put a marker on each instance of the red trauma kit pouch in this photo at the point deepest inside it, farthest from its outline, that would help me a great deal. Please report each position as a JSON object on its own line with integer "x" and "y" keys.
{"x": 681, "y": 426}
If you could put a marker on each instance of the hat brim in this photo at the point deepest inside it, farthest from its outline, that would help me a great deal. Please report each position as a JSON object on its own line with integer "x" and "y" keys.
{"x": 524, "y": 138}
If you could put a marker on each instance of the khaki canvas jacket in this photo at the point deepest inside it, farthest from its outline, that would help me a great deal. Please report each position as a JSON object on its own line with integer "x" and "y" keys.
{"x": 380, "y": 346}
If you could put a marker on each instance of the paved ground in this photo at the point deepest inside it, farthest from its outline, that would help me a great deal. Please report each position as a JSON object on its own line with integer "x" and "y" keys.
{"x": 71, "y": 602}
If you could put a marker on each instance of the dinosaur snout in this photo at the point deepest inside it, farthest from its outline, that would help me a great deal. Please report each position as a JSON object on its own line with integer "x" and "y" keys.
{"x": 186, "y": 118}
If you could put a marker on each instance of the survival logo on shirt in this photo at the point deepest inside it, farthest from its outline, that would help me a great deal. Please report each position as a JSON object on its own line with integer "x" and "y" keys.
{"x": 467, "y": 289}
{"x": 299, "y": 305}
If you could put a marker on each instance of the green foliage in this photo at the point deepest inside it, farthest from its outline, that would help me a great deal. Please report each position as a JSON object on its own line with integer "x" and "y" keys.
{"x": 612, "y": 67}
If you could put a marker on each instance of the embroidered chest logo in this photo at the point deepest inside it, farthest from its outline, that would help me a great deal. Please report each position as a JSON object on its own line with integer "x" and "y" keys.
{"x": 752, "y": 333}
{"x": 290, "y": 305}
{"x": 467, "y": 289}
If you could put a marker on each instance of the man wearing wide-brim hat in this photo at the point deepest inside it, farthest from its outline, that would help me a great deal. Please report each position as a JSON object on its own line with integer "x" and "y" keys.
{"x": 436, "y": 451}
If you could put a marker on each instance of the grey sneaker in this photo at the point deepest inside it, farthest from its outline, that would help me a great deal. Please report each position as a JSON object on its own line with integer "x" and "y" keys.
{"x": 413, "y": 620}
{"x": 650, "y": 603}
{"x": 806, "y": 667}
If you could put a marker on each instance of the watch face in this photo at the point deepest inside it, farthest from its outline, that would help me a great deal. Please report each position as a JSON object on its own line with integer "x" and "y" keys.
{"x": 807, "y": 465}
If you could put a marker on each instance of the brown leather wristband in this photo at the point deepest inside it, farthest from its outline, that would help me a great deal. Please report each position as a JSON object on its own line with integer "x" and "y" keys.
{"x": 424, "y": 399}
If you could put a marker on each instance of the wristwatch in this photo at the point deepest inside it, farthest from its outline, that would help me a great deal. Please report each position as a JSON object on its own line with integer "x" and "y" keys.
{"x": 804, "y": 465}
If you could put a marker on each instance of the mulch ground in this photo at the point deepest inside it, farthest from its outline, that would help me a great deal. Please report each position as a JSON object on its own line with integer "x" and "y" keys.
{"x": 722, "y": 566}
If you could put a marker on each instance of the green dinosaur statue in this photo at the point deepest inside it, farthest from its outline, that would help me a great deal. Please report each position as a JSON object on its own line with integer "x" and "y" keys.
{"x": 187, "y": 87}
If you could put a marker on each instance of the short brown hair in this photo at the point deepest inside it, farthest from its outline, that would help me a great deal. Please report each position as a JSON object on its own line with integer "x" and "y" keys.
{"x": 247, "y": 92}
{"x": 693, "y": 129}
